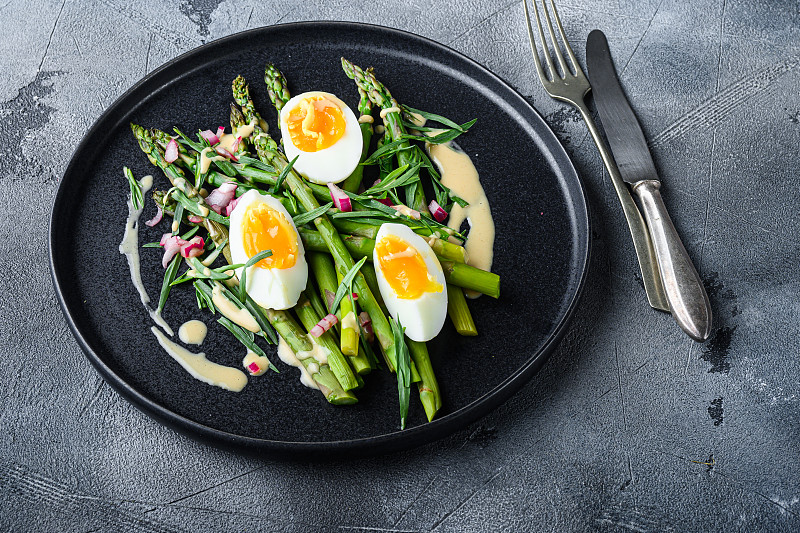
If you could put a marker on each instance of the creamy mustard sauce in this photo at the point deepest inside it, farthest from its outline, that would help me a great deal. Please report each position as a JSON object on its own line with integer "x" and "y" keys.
{"x": 226, "y": 142}
{"x": 379, "y": 129}
{"x": 388, "y": 110}
{"x": 130, "y": 248}
{"x": 286, "y": 355}
{"x": 416, "y": 118}
{"x": 349, "y": 321}
{"x": 200, "y": 368}
{"x": 461, "y": 177}
{"x": 366, "y": 119}
{"x": 236, "y": 315}
{"x": 205, "y": 161}
{"x": 317, "y": 352}
{"x": 260, "y": 360}
{"x": 192, "y": 332}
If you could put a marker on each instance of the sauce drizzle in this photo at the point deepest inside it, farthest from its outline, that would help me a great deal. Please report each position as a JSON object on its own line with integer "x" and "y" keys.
{"x": 460, "y": 176}
{"x": 200, "y": 368}
{"x": 130, "y": 248}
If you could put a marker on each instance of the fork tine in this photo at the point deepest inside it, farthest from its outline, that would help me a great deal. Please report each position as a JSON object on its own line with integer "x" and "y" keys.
{"x": 534, "y": 49}
{"x": 553, "y": 72}
{"x": 572, "y": 58}
{"x": 556, "y": 46}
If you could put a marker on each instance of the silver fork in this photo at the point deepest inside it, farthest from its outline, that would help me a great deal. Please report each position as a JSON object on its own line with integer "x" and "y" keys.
{"x": 571, "y": 86}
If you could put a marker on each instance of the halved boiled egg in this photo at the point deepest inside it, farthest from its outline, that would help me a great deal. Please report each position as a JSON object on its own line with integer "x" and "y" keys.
{"x": 260, "y": 222}
{"x": 411, "y": 281}
{"x": 324, "y": 133}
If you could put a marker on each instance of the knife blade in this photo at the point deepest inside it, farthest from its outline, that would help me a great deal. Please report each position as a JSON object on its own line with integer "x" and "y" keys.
{"x": 684, "y": 289}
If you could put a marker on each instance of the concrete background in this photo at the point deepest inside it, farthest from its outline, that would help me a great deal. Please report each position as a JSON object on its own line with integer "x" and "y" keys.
{"x": 630, "y": 426}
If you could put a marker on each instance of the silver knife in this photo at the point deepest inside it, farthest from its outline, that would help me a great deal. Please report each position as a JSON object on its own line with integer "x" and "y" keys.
{"x": 686, "y": 295}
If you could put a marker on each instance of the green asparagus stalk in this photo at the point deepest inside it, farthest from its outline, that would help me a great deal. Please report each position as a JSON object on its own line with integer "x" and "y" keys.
{"x": 348, "y": 335}
{"x": 380, "y": 96}
{"x": 313, "y": 296}
{"x": 428, "y": 387}
{"x": 459, "y": 312}
{"x": 277, "y": 87}
{"x": 325, "y": 273}
{"x": 372, "y": 280}
{"x": 456, "y": 273}
{"x": 336, "y": 360}
{"x": 268, "y": 152}
{"x": 298, "y": 341}
{"x": 353, "y": 181}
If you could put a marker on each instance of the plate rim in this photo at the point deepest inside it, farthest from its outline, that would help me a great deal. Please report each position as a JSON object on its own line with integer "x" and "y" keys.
{"x": 377, "y": 444}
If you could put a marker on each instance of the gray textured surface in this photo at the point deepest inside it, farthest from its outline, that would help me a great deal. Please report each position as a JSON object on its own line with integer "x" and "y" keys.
{"x": 630, "y": 426}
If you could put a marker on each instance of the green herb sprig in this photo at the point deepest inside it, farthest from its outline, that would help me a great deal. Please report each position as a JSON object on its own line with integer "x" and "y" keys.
{"x": 137, "y": 199}
{"x": 403, "y": 369}
{"x": 346, "y": 286}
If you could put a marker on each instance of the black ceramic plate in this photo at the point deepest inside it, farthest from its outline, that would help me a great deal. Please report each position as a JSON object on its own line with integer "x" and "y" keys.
{"x": 541, "y": 249}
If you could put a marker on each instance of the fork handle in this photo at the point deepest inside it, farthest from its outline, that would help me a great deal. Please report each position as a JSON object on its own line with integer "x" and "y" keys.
{"x": 651, "y": 278}
{"x": 686, "y": 295}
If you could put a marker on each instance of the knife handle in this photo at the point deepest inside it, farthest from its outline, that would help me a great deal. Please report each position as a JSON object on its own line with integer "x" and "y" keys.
{"x": 686, "y": 295}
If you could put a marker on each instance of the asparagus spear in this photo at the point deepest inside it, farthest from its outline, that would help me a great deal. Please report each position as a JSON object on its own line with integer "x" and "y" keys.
{"x": 325, "y": 273}
{"x": 268, "y": 151}
{"x": 349, "y": 335}
{"x": 428, "y": 387}
{"x": 298, "y": 341}
{"x": 380, "y": 96}
{"x": 283, "y": 323}
{"x": 458, "y": 274}
{"x": 336, "y": 360}
{"x": 353, "y": 181}
{"x": 459, "y": 312}
{"x": 277, "y": 87}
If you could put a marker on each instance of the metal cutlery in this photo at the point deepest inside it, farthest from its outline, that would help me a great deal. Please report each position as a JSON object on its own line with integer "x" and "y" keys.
{"x": 686, "y": 295}
{"x": 571, "y": 86}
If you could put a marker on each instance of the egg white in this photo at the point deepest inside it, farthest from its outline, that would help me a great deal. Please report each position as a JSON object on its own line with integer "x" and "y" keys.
{"x": 272, "y": 288}
{"x": 422, "y": 317}
{"x": 330, "y": 165}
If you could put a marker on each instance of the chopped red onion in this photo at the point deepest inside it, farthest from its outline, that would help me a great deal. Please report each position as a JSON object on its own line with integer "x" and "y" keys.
{"x": 156, "y": 219}
{"x": 220, "y": 131}
{"x": 172, "y": 245}
{"x": 254, "y": 368}
{"x": 329, "y": 298}
{"x": 324, "y": 325}
{"x": 437, "y": 211}
{"x": 210, "y": 137}
{"x": 195, "y": 219}
{"x": 231, "y": 206}
{"x": 340, "y": 198}
{"x": 171, "y": 153}
{"x": 225, "y": 153}
{"x": 405, "y": 210}
{"x": 193, "y": 248}
{"x": 235, "y": 145}
{"x": 220, "y": 197}
{"x": 385, "y": 201}
{"x": 366, "y": 324}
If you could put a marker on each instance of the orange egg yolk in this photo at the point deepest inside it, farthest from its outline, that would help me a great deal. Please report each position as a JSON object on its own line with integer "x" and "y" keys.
{"x": 264, "y": 228}
{"x": 315, "y": 123}
{"x": 404, "y": 268}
